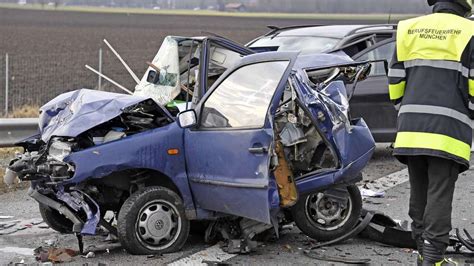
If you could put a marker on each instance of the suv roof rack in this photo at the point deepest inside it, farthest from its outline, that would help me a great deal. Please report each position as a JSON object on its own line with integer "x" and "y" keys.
{"x": 393, "y": 27}
{"x": 274, "y": 29}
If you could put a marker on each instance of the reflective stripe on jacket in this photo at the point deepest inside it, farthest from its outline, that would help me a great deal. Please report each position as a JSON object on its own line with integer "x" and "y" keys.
{"x": 432, "y": 84}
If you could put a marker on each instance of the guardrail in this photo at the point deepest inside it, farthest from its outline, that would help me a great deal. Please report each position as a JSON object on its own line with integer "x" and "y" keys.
{"x": 13, "y": 130}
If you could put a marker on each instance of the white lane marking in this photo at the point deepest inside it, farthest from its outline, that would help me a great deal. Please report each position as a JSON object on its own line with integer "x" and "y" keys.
{"x": 19, "y": 251}
{"x": 387, "y": 182}
{"x": 213, "y": 253}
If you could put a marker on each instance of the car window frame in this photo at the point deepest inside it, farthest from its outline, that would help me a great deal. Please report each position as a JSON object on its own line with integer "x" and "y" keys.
{"x": 205, "y": 58}
{"x": 357, "y": 56}
{"x": 356, "y": 38}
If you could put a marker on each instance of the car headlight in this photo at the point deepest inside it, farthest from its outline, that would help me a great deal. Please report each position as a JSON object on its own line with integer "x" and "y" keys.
{"x": 59, "y": 150}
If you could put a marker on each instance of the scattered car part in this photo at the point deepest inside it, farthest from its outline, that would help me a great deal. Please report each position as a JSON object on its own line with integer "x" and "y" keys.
{"x": 79, "y": 201}
{"x": 363, "y": 223}
{"x": 238, "y": 234}
{"x": 61, "y": 208}
{"x": 10, "y": 177}
{"x": 385, "y": 230}
{"x": 284, "y": 179}
{"x": 113, "y": 233}
{"x": 361, "y": 74}
{"x": 345, "y": 260}
{"x": 469, "y": 242}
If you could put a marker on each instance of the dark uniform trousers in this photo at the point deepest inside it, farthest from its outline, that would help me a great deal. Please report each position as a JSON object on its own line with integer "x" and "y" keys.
{"x": 432, "y": 181}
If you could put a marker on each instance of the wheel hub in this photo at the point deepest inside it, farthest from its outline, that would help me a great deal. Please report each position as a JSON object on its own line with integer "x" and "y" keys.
{"x": 325, "y": 213}
{"x": 157, "y": 224}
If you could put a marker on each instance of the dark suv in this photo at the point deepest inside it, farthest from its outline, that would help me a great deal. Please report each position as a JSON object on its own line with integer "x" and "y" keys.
{"x": 360, "y": 42}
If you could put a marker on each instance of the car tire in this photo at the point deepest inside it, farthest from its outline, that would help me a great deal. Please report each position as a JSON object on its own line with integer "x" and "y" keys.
{"x": 312, "y": 222}
{"x": 55, "y": 220}
{"x": 153, "y": 221}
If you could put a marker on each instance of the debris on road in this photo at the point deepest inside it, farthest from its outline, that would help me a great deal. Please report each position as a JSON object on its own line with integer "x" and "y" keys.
{"x": 467, "y": 242}
{"x": 61, "y": 255}
{"x": 372, "y": 202}
{"x": 7, "y": 225}
{"x": 89, "y": 255}
{"x": 394, "y": 260}
{"x": 55, "y": 255}
{"x": 41, "y": 255}
{"x": 17, "y": 250}
{"x": 111, "y": 238}
{"x": 214, "y": 263}
{"x": 13, "y": 226}
{"x": 240, "y": 246}
{"x": 51, "y": 242}
{"x": 103, "y": 248}
{"x": 371, "y": 193}
{"x": 340, "y": 259}
{"x": 381, "y": 253}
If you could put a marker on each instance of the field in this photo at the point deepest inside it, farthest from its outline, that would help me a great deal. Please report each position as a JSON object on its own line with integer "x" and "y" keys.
{"x": 187, "y": 12}
{"x": 49, "y": 48}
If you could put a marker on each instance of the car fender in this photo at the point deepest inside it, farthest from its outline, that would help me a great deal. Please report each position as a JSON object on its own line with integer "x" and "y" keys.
{"x": 146, "y": 150}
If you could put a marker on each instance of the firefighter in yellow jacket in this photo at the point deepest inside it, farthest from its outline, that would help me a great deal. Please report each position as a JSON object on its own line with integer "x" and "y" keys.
{"x": 432, "y": 85}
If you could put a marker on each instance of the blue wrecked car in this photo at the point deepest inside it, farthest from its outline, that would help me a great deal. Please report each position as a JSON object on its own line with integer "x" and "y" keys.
{"x": 214, "y": 139}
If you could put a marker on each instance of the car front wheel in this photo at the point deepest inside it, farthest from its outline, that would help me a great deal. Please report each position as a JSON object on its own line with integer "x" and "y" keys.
{"x": 152, "y": 221}
{"x": 324, "y": 219}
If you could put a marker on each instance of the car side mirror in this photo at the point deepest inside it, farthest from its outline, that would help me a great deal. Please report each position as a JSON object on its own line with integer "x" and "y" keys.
{"x": 187, "y": 119}
{"x": 153, "y": 77}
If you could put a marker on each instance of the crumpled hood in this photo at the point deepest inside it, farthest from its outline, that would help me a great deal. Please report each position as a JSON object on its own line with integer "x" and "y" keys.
{"x": 75, "y": 112}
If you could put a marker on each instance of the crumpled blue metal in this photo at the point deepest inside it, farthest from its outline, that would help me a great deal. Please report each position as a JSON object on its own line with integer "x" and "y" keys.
{"x": 75, "y": 112}
{"x": 75, "y": 200}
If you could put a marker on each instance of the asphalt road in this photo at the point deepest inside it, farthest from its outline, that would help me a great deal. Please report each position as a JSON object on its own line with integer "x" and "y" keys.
{"x": 284, "y": 251}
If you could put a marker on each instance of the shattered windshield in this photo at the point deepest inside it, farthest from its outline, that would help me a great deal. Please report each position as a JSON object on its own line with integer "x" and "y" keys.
{"x": 161, "y": 80}
{"x": 305, "y": 44}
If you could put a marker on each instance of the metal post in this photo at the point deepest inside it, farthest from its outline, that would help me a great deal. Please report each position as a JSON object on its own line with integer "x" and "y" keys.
{"x": 6, "y": 84}
{"x": 100, "y": 70}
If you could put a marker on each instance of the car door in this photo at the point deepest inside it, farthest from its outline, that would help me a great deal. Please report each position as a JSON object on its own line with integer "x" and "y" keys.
{"x": 371, "y": 100}
{"x": 228, "y": 153}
